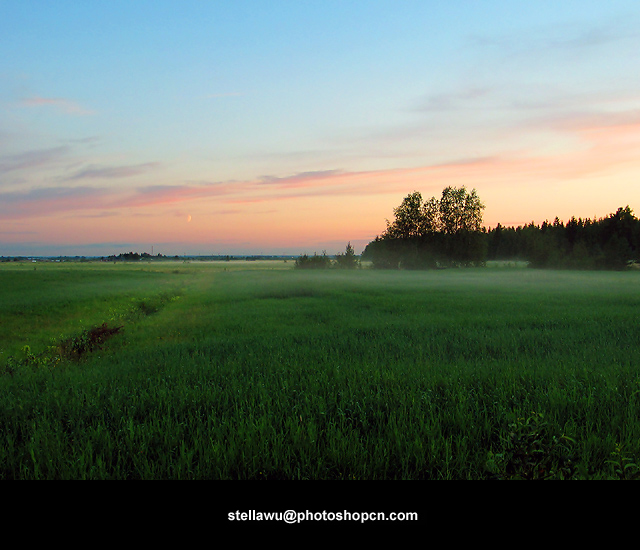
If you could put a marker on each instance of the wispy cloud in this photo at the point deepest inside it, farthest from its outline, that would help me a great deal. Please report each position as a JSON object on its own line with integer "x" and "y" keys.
{"x": 300, "y": 178}
{"x": 593, "y": 37}
{"x": 63, "y": 105}
{"x": 14, "y": 233}
{"x": 606, "y": 142}
{"x": 111, "y": 172}
{"x": 559, "y": 37}
{"x": 49, "y": 200}
{"x": 90, "y": 141}
{"x": 152, "y": 195}
{"x": 32, "y": 159}
{"x": 104, "y": 214}
{"x": 454, "y": 100}
{"x": 596, "y": 120}
{"x": 227, "y": 94}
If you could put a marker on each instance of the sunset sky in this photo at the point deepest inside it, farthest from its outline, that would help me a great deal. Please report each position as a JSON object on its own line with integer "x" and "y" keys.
{"x": 295, "y": 126}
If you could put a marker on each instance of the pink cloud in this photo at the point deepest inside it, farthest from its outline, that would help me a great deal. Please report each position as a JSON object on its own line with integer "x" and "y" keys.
{"x": 47, "y": 201}
{"x": 67, "y": 106}
{"x": 510, "y": 184}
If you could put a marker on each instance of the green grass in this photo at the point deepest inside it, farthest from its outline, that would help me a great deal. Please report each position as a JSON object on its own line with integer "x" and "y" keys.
{"x": 244, "y": 370}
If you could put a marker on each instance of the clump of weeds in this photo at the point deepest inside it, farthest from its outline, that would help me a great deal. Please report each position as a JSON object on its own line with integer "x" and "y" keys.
{"x": 531, "y": 453}
{"x": 73, "y": 348}
{"x": 48, "y": 359}
{"x": 623, "y": 467}
{"x": 87, "y": 341}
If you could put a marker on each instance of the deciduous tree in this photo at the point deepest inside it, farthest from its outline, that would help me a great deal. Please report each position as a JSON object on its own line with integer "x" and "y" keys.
{"x": 435, "y": 232}
{"x": 460, "y": 210}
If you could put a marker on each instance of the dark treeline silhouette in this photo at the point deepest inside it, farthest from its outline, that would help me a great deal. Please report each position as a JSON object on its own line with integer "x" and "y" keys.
{"x": 313, "y": 262}
{"x": 347, "y": 260}
{"x": 448, "y": 233}
{"x": 431, "y": 234}
{"x": 612, "y": 242}
{"x": 133, "y": 257}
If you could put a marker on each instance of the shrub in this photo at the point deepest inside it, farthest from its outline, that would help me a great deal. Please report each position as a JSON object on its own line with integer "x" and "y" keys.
{"x": 530, "y": 453}
{"x": 313, "y": 262}
{"x": 348, "y": 260}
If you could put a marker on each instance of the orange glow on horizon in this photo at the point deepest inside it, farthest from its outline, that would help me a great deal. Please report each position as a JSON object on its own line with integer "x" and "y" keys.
{"x": 336, "y": 206}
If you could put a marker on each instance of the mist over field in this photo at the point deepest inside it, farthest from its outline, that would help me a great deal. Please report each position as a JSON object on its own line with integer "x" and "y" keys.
{"x": 259, "y": 370}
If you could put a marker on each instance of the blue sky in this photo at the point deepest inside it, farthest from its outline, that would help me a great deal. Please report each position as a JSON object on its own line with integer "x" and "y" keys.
{"x": 276, "y": 126}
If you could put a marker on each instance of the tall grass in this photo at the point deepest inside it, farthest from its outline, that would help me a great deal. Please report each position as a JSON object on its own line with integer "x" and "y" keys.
{"x": 280, "y": 374}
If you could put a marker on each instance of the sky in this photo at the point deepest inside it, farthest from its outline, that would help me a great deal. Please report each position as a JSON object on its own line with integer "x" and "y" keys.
{"x": 187, "y": 127}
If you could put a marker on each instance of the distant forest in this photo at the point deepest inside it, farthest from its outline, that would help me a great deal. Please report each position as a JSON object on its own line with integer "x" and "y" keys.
{"x": 612, "y": 242}
{"x": 448, "y": 232}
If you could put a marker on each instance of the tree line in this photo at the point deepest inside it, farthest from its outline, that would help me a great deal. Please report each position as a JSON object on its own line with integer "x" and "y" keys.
{"x": 612, "y": 242}
{"x": 133, "y": 257}
{"x": 347, "y": 260}
{"x": 448, "y": 232}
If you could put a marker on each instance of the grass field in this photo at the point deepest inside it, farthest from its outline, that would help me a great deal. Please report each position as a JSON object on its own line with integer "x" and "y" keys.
{"x": 255, "y": 370}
